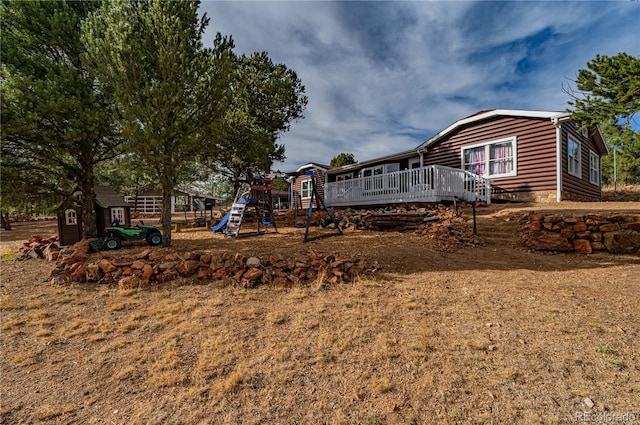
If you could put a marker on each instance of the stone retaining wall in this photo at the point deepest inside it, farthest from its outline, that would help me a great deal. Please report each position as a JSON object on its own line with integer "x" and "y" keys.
{"x": 617, "y": 234}
{"x": 78, "y": 265}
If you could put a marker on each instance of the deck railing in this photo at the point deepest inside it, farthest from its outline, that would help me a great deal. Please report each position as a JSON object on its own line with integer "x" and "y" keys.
{"x": 432, "y": 183}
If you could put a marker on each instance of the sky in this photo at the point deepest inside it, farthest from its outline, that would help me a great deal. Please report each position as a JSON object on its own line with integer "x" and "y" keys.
{"x": 383, "y": 77}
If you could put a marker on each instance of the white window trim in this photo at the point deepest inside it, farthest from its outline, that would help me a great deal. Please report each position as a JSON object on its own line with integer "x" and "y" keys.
{"x": 574, "y": 173}
{"x": 309, "y": 190}
{"x": 71, "y": 217}
{"x": 117, "y": 213}
{"x": 414, "y": 161}
{"x": 346, "y": 176}
{"x": 514, "y": 145}
{"x": 592, "y": 155}
{"x": 385, "y": 169}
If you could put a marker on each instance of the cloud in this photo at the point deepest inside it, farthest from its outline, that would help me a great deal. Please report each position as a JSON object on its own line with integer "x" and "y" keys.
{"x": 382, "y": 77}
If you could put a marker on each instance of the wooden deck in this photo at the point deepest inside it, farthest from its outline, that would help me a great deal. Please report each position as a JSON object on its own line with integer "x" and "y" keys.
{"x": 432, "y": 183}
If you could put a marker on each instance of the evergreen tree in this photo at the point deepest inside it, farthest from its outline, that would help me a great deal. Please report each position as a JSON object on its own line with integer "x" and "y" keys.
{"x": 166, "y": 86}
{"x": 342, "y": 159}
{"x": 56, "y": 124}
{"x": 264, "y": 98}
{"x": 608, "y": 95}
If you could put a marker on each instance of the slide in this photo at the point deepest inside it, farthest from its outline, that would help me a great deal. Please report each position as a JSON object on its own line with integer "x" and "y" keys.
{"x": 222, "y": 223}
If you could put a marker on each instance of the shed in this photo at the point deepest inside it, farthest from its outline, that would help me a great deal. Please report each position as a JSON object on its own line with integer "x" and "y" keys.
{"x": 109, "y": 207}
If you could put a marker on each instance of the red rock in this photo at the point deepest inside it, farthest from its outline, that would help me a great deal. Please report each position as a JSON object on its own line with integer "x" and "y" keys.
{"x": 205, "y": 258}
{"x": 609, "y": 227}
{"x": 168, "y": 265}
{"x": 552, "y": 218}
{"x": 129, "y": 282}
{"x": 583, "y": 246}
{"x": 187, "y": 267}
{"x": 144, "y": 254}
{"x": 93, "y": 273}
{"x": 580, "y": 226}
{"x": 622, "y": 242}
{"x": 598, "y": 246}
{"x": 193, "y": 256}
{"x": 155, "y": 256}
{"x": 172, "y": 257}
{"x": 122, "y": 261}
{"x": 635, "y": 225}
{"x": 79, "y": 274}
{"x": 204, "y": 273}
{"x": 252, "y": 273}
{"x": 138, "y": 265}
{"x": 106, "y": 266}
{"x": 595, "y": 236}
{"x": 567, "y": 233}
{"x": 147, "y": 273}
{"x": 546, "y": 241}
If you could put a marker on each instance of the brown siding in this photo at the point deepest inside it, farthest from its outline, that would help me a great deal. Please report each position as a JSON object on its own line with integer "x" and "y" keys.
{"x": 67, "y": 234}
{"x": 536, "y": 161}
{"x": 320, "y": 178}
{"x": 572, "y": 186}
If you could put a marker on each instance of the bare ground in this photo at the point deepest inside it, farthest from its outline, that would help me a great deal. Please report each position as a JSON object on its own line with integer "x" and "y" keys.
{"x": 486, "y": 335}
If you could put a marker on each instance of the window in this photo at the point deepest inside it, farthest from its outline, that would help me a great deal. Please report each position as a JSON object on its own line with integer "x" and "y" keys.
{"x": 306, "y": 188}
{"x": 377, "y": 179}
{"x": 117, "y": 214}
{"x": 574, "y": 160}
{"x": 343, "y": 177}
{"x": 381, "y": 169}
{"x": 71, "y": 217}
{"x": 491, "y": 159}
{"x": 594, "y": 168}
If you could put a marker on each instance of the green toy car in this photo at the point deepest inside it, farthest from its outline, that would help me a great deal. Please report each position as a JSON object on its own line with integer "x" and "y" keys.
{"x": 116, "y": 234}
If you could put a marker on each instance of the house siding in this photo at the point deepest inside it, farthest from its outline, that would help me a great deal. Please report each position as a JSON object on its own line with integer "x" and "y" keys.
{"x": 536, "y": 160}
{"x": 574, "y": 188}
{"x": 320, "y": 179}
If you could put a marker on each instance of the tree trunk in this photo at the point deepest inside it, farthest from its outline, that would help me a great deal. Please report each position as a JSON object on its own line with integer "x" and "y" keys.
{"x": 6, "y": 224}
{"x": 165, "y": 219}
{"x": 89, "y": 225}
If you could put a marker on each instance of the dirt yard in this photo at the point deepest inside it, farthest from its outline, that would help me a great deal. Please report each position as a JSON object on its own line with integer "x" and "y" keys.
{"x": 487, "y": 335}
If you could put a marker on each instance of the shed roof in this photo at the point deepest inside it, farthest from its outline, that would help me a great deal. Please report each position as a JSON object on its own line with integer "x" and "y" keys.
{"x": 107, "y": 197}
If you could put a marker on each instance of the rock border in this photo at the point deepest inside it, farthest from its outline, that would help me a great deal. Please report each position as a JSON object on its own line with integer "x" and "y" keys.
{"x": 585, "y": 234}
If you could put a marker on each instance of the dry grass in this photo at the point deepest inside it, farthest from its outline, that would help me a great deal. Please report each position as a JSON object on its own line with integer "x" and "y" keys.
{"x": 494, "y": 335}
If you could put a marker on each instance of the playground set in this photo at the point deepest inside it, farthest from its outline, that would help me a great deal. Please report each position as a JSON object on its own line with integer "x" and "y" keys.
{"x": 319, "y": 202}
{"x": 258, "y": 197}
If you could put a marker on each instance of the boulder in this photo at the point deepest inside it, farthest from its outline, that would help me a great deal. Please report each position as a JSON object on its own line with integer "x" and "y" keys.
{"x": 548, "y": 241}
{"x": 609, "y": 227}
{"x": 622, "y": 242}
{"x": 129, "y": 282}
{"x": 582, "y": 246}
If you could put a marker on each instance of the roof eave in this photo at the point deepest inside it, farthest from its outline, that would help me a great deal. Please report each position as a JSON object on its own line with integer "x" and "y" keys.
{"x": 491, "y": 114}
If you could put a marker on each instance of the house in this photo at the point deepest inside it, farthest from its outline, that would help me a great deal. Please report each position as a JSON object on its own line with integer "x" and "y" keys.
{"x": 149, "y": 201}
{"x": 109, "y": 207}
{"x": 518, "y": 155}
{"x": 300, "y": 182}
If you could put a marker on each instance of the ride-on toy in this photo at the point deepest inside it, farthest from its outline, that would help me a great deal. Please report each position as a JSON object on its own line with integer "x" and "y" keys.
{"x": 116, "y": 234}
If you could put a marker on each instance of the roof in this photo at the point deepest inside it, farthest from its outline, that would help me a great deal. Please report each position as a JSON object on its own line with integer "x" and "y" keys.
{"x": 317, "y": 165}
{"x": 554, "y": 116}
{"x": 106, "y": 197}
{"x": 358, "y": 165}
{"x": 483, "y": 115}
